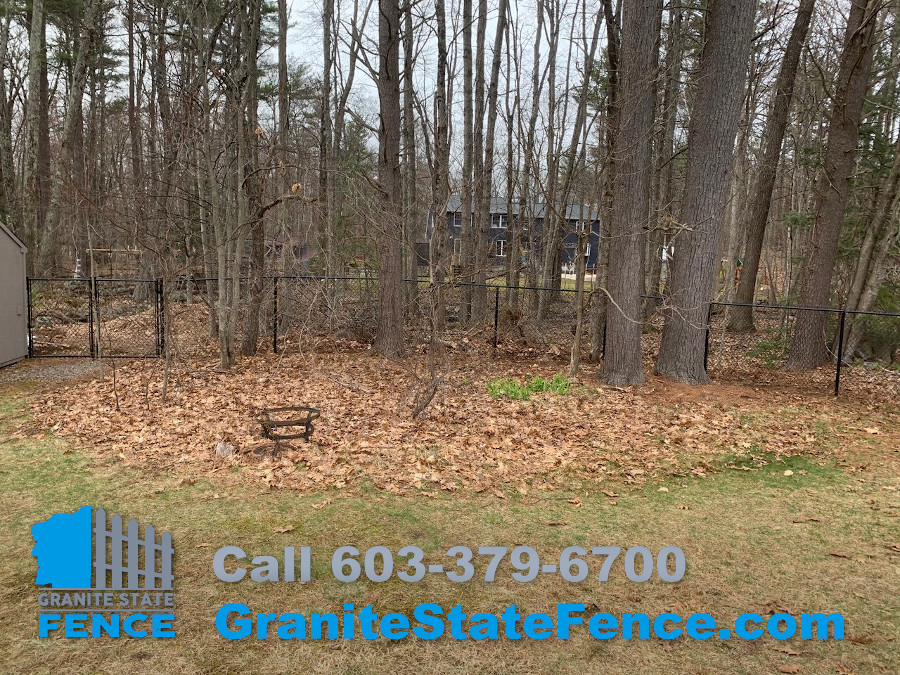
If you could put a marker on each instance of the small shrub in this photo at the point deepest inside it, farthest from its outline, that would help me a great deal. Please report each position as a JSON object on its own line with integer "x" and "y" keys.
{"x": 558, "y": 385}
{"x": 515, "y": 390}
{"x": 512, "y": 389}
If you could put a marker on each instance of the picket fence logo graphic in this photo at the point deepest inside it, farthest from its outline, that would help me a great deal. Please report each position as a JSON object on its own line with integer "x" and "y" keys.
{"x": 103, "y": 580}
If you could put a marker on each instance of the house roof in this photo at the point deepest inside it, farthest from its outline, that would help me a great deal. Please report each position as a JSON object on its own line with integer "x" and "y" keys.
{"x": 539, "y": 209}
{"x": 12, "y": 235}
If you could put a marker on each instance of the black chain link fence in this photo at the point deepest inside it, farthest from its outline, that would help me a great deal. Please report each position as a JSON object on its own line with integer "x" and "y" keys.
{"x": 61, "y": 317}
{"x": 128, "y": 318}
{"x": 869, "y": 342}
{"x": 95, "y": 318}
{"x": 142, "y": 318}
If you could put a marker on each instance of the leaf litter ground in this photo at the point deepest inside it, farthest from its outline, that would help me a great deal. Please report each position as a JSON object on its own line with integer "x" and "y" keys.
{"x": 592, "y": 440}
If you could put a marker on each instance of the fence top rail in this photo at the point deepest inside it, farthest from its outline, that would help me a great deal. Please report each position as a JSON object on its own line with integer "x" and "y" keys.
{"x": 800, "y": 308}
{"x": 473, "y": 284}
{"x": 87, "y": 279}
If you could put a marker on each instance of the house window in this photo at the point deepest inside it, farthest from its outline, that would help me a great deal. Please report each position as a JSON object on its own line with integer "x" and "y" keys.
{"x": 498, "y": 222}
{"x": 500, "y": 248}
{"x": 457, "y": 246}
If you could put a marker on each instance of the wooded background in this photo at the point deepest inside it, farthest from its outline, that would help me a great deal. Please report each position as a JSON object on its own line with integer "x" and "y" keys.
{"x": 736, "y": 151}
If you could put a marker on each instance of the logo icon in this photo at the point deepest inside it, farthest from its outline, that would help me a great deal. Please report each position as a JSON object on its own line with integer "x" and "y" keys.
{"x": 97, "y": 568}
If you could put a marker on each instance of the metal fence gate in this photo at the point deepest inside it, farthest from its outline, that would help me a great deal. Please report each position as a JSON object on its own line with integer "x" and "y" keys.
{"x": 94, "y": 318}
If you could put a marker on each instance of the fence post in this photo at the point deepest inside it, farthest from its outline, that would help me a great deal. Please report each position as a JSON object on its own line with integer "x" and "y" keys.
{"x": 162, "y": 317}
{"x": 496, "y": 317}
{"x": 274, "y": 315}
{"x": 840, "y": 354}
{"x": 30, "y": 332}
{"x": 706, "y": 345}
{"x": 99, "y": 346}
{"x": 158, "y": 289}
{"x": 91, "y": 337}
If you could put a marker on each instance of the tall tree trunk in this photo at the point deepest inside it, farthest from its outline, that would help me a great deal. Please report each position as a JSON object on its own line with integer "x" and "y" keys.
{"x": 325, "y": 143}
{"x": 410, "y": 178}
{"x": 34, "y": 207}
{"x": 714, "y": 120}
{"x": 881, "y": 236}
{"x": 485, "y": 179}
{"x": 70, "y": 183}
{"x": 623, "y": 360}
{"x": 528, "y": 192}
{"x": 8, "y": 197}
{"x": 467, "y": 224}
{"x": 761, "y": 193}
{"x": 665, "y": 160}
{"x": 884, "y": 212}
{"x": 550, "y": 228}
{"x": 389, "y": 335}
{"x": 809, "y": 346}
{"x": 441, "y": 178}
{"x": 599, "y": 306}
{"x": 481, "y": 227}
{"x": 513, "y": 110}
{"x": 253, "y": 185}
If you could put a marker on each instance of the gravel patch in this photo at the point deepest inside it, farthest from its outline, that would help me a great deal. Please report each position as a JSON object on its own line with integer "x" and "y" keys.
{"x": 50, "y": 370}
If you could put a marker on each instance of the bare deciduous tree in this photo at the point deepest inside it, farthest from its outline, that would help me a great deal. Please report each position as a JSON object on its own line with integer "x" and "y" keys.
{"x": 714, "y": 120}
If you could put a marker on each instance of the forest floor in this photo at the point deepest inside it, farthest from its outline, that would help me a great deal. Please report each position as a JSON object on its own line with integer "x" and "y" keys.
{"x": 783, "y": 500}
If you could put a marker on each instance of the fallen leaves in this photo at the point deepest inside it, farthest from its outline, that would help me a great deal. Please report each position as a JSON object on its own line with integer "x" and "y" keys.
{"x": 464, "y": 440}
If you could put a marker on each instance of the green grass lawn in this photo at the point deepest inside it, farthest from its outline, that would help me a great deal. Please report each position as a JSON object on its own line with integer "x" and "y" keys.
{"x": 755, "y": 540}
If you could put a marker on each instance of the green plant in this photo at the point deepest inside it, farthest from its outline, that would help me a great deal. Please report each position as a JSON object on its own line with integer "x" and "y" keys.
{"x": 558, "y": 385}
{"x": 510, "y": 388}
{"x": 515, "y": 390}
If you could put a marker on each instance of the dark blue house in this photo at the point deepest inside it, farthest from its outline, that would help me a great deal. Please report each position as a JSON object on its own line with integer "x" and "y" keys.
{"x": 577, "y": 217}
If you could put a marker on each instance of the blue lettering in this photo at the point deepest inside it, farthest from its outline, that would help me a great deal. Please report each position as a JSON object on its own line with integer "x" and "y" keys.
{"x": 700, "y": 626}
{"x": 45, "y": 625}
{"x": 740, "y": 626}
{"x": 602, "y": 621}
{"x": 394, "y": 626}
{"x": 643, "y": 622}
{"x": 538, "y": 626}
{"x": 487, "y": 627}
{"x": 129, "y": 622}
{"x": 822, "y": 622}
{"x": 75, "y": 625}
{"x": 790, "y": 626}
{"x": 421, "y": 614}
{"x": 659, "y": 626}
{"x": 565, "y": 619}
{"x": 242, "y": 626}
